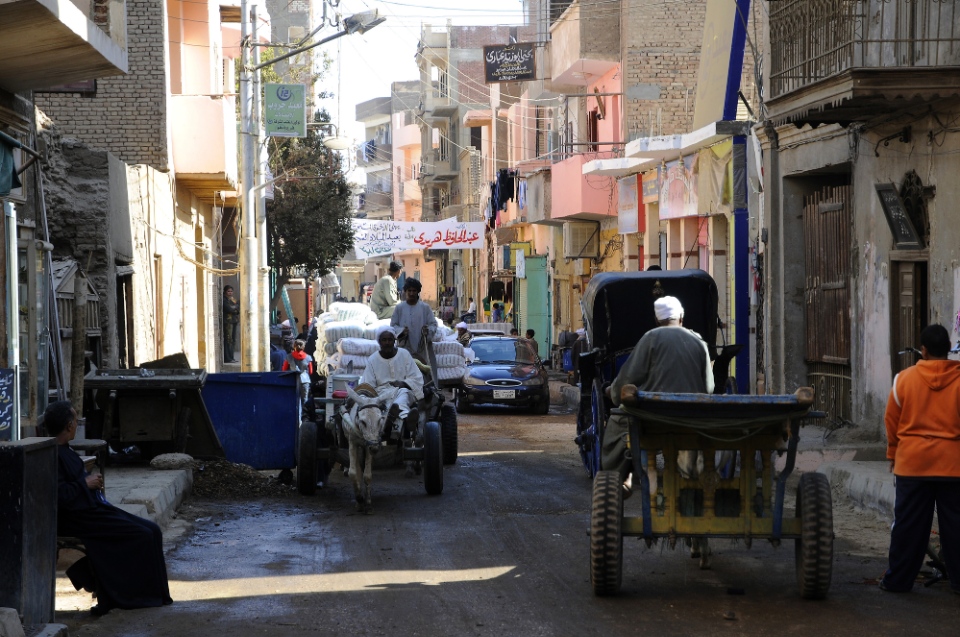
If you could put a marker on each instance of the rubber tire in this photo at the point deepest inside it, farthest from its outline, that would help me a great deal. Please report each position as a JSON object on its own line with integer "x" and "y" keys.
{"x": 432, "y": 458}
{"x": 463, "y": 406}
{"x": 543, "y": 407}
{"x": 448, "y": 431}
{"x": 183, "y": 430}
{"x": 307, "y": 458}
{"x": 814, "y": 548}
{"x": 606, "y": 538}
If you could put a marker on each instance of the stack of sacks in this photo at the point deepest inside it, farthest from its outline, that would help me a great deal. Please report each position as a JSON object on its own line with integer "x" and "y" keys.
{"x": 354, "y": 352}
{"x": 373, "y": 330}
{"x": 353, "y": 312}
{"x": 329, "y": 332}
{"x": 451, "y": 362}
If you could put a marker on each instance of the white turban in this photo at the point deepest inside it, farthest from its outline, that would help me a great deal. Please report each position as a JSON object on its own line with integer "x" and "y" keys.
{"x": 461, "y": 325}
{"x": 668, "y": 308}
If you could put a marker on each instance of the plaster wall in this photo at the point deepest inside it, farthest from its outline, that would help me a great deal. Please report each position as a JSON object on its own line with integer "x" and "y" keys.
{"x": 810, "y": 159}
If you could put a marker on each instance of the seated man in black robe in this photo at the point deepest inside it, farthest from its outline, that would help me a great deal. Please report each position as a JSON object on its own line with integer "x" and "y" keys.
{"x": 124, "y": 564}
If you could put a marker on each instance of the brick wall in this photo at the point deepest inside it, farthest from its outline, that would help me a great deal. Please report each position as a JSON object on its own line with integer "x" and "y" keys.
{"x": 661, "y": 55}
{"x": 128, "y": 116}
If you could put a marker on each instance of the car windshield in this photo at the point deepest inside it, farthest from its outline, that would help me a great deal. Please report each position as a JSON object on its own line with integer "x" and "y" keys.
{"x": 503, "y": 349}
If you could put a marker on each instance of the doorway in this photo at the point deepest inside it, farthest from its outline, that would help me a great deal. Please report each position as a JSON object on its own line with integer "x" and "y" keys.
{"x": 909, "y": 311}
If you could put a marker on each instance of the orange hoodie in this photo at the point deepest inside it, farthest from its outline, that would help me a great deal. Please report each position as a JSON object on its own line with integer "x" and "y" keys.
{"x": 923, "y": 420}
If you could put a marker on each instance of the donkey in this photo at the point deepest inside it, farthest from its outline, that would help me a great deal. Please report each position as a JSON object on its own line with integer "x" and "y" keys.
{"x": 691, "y": 466}
{"x": 363, "y": 426}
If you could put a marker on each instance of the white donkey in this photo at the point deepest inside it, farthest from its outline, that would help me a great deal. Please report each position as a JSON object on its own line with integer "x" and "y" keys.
{"x": 363, "y": 426}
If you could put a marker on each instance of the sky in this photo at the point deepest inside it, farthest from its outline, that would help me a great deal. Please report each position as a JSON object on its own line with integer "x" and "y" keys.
{"x": 365, "y": 65}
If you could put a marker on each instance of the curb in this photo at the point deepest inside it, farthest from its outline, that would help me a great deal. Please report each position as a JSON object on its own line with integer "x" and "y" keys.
{"x": 565, "y": 394}
{"x": 867, "y": 484}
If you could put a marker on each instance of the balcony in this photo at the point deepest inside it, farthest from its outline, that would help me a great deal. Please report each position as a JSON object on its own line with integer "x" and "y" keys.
{"x": 573, "y": 198}
{"x": 408, "y": 136}
{"x": 410, "y": 190}
{"x": 204, "y": 143}
{"x": 584, "y": 42}
{"x": 540, "y": 197}
{"x": 850, "y": 61}
{"x": 437, "y": 168}
{"x": 45, "y": 43}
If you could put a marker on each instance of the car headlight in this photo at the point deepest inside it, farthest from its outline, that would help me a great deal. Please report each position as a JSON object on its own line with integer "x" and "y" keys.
{"x": 472, "y": 380}
{"x": 533, "y": 381}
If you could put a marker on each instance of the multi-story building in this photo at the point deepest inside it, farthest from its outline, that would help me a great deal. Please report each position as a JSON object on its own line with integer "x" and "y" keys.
{"x": 170, "y": 129}
{"x": 36, "y": 38}
{"x": 859, "y": 229}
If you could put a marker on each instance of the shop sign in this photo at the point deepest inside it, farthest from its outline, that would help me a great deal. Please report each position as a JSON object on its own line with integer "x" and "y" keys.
{"x": 651, "y": 189}
{"x": 285, "y": 110}
{"x": 509, "y": 62}
{"x": 678, "y": 188}
{"x": 628, "y": 205}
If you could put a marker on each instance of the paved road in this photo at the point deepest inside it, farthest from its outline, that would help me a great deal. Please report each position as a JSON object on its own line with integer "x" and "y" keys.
{"x": 502, "y": 552}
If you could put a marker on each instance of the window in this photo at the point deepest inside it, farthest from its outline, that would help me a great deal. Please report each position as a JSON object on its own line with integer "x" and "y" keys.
{"x": 476, "y": 137}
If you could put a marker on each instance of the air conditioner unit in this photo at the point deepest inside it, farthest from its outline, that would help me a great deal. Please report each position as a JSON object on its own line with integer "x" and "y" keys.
{"x": 581, "y": 240}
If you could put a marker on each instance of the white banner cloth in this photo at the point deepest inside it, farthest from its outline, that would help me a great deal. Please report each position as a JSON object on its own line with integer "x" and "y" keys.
{"x": 376, "y": 238}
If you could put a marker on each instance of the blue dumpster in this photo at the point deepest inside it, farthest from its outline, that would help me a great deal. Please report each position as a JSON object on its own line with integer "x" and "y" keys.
{"x": 256, "y": 416}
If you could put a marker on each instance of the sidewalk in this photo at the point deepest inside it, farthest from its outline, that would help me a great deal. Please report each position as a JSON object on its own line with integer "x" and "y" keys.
{"x": 149, "y": 493}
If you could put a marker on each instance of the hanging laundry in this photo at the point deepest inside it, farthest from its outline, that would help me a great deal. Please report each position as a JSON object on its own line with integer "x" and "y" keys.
{"x": 522, "y": 194}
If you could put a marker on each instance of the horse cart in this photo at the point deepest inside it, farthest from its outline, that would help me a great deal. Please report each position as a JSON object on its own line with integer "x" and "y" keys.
{"x": 324, "y": 440}
{"x": 702, "y": 464}
{"x": 617, "y": 311}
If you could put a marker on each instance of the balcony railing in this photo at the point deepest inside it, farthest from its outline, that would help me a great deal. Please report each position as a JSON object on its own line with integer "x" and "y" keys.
{"x": 812, "y": 40}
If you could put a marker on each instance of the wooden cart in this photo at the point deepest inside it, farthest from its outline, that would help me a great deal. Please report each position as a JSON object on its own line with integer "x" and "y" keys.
{"x": 747, "y": 505}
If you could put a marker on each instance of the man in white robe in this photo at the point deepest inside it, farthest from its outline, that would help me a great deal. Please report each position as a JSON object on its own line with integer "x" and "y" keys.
{"x": 396, "y": 377}
{"x": 385, "y": 296}
{"x": 416, "y": 320}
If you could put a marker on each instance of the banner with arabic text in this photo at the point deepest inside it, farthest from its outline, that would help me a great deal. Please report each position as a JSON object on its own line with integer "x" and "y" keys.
{"x": 376, "y": 238}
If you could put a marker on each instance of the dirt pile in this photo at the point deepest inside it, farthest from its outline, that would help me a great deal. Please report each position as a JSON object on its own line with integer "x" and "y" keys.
{"x": 223, "y": 479}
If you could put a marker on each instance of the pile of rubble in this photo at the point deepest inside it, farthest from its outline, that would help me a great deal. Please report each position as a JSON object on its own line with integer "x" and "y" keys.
{"x": 223, "y": 479}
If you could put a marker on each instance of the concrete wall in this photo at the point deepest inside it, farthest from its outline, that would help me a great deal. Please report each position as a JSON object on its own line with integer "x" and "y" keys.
{"x": 810, "y": 159}
{"x": 128, "y": 116}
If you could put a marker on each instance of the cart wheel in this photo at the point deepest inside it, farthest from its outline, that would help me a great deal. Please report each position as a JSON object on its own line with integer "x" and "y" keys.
{"x": 448, "y": 431}
{"x": 814, "y": 549}
{"x": 606, "y": 540}
{"x": 183, "y": 430}
{"x": 432, "y": 458}
{"x": 307, "y": 458}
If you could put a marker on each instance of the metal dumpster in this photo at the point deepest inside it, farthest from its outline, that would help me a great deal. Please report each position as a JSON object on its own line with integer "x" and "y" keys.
{"x": 158, "y": 409}
{"x": 256, "y": 416}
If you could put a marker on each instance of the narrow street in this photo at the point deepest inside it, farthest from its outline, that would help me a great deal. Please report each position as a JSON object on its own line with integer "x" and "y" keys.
{"x": 502, "y": 552}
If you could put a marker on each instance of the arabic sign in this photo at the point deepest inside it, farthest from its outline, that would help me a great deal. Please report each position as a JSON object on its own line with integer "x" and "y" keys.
{"x": 285, "y": 110}
{"x": 6, "y": 403}
{"x": 628, "y": 205}
{"x": 375, "y": 238}
{"x": 509, "y": 63}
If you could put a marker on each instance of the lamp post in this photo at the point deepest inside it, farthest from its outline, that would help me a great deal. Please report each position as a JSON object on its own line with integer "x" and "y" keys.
{"x": 255, "y": 349}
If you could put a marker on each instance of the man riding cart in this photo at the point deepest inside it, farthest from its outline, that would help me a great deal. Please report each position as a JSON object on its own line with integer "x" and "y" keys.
{"x": 398, "y": 382}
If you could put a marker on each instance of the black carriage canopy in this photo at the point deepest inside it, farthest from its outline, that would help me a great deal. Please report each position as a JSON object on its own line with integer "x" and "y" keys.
{"x": 618, "y": 306}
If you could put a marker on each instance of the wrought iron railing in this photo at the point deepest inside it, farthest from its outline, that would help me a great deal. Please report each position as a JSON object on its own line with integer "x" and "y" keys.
{"x": 812, "y": 40}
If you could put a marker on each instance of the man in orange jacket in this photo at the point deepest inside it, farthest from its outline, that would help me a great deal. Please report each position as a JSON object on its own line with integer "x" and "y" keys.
{"x": 923, "y": 446}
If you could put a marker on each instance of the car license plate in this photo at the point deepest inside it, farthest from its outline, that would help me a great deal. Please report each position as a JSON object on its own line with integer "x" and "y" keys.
{"x": 504, "y": 393}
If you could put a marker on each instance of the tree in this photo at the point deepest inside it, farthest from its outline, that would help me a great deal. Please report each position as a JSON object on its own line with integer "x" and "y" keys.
{"x": 309, "y": 221}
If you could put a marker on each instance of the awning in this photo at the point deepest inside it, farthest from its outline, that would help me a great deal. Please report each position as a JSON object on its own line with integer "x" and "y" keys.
{"x": 647, "y": 152}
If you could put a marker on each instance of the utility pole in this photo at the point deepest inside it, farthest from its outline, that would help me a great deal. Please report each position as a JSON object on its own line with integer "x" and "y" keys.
{"x": 249, "y": 252}
{"x": 254, "y": 272}
{"x": 260, "y": 202}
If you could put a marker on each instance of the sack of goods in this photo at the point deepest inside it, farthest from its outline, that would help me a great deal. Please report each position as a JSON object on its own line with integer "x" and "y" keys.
{"x": 451, "y": 364}
{"x": 443, "y": 332}
{"x": 352, "y": 364}
{"x": 357, "y": 347}
{"x": 353, "y": 312}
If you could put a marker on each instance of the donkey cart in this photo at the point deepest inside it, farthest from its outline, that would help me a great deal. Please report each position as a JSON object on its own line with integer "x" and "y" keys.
{"x": 432, "y": 445}
{"x": 744, "y": 503}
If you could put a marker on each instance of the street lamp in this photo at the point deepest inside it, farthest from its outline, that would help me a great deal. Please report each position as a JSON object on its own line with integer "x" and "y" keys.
{"x": 336, "y": 142}
{"x": 253, "y": 245}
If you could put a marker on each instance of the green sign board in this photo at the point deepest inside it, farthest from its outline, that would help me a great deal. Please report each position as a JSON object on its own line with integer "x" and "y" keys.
{"x": 285, "y": 110}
